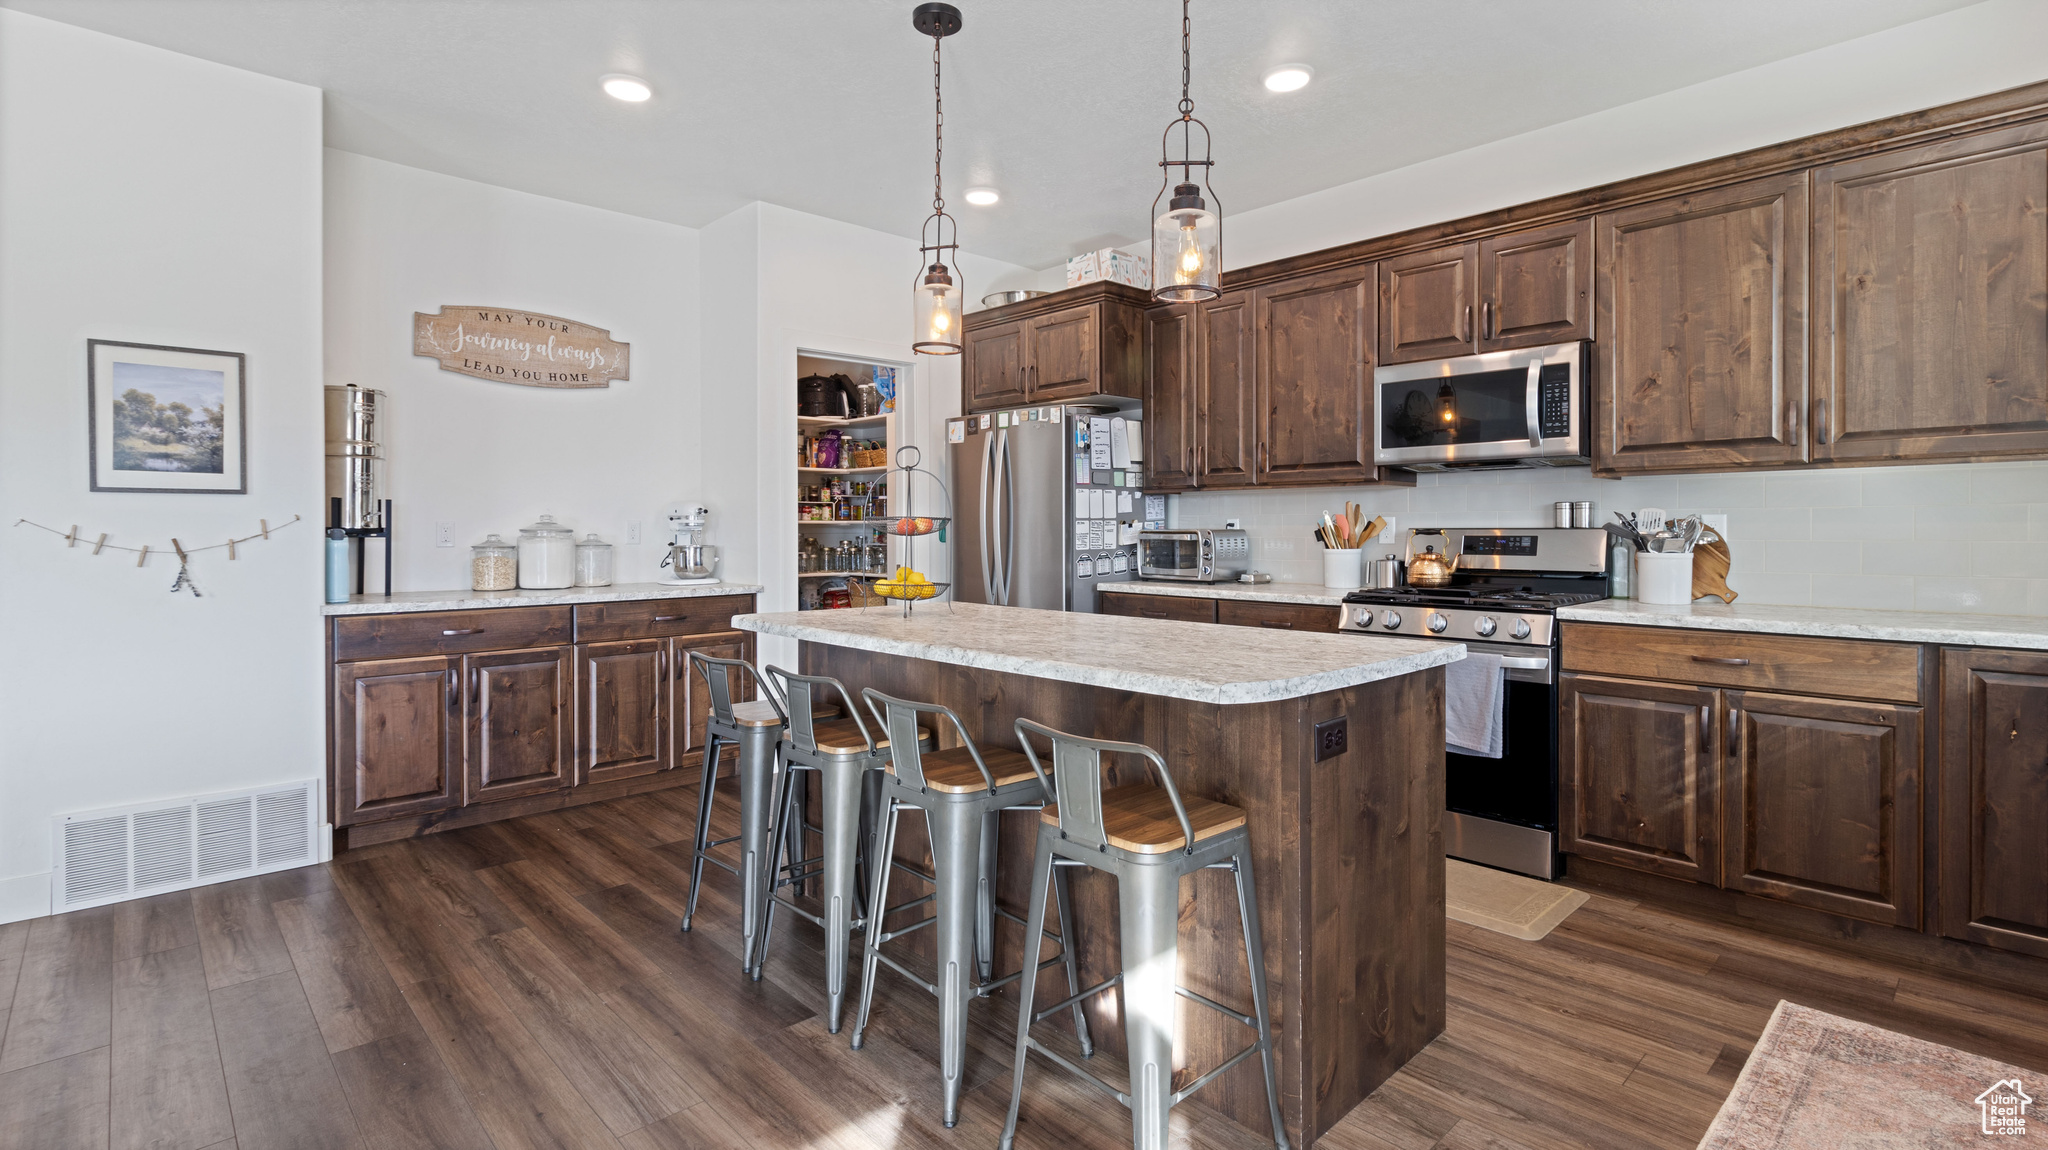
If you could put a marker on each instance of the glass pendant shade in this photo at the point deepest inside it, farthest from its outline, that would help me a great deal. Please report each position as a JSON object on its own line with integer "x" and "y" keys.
{"x": 937, "y": 304}
{"x": 1187, "y": 259}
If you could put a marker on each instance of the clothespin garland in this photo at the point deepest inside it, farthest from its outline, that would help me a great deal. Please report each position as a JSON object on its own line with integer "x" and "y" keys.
{"x": 184, "y": 581}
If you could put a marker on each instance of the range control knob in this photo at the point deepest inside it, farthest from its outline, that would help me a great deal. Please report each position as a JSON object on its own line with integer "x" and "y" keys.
{"x": 1484, "y": 625}
{"x": 1390, "y": 620}
{"x": 1362, "y": 617}
{"x": 1437, "y": 623}
{"x": 1521, "y": 629}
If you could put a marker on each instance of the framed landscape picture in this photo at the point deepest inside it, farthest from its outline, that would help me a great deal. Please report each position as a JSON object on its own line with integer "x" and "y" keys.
{"x": 166, "y": 418}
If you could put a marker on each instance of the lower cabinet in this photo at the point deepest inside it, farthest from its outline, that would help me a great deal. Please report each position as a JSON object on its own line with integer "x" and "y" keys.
{"x": 424, "y": 726}
{"x": 1640, "y": 775}
{"x": 1277, "y": 616}
{"x": 1992, "y": 876}
{"x": 1185, "y": 608}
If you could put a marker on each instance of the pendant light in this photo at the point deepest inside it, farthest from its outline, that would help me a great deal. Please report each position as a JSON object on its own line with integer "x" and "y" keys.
{"x": 935, "y": 301}
{"x": 1187, "y": 238}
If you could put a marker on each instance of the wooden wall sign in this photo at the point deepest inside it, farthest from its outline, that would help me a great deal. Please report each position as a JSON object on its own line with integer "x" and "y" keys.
{"x": 519, "y": 347}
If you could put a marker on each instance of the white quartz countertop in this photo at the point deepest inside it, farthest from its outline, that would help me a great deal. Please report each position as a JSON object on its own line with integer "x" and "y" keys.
{"x": 2028, "y": 631}
{"x": 1311, "y": 594}
{"x": 403, "y": 602}
{"x": 1200, "y": 661}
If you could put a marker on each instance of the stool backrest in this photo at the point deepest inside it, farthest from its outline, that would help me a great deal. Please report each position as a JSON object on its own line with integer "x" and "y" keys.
{"x": 717, "y": 675}
{"x": 799, "y": 692}
{"x": 898, "y": 720}
{"x": 1077, "y": 781}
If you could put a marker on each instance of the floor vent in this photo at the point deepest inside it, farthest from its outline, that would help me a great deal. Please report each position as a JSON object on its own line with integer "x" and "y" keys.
{"x": 149, "y": 848}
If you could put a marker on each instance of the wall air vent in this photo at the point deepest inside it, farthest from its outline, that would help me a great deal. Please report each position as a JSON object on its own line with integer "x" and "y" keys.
{"x": 149, "y": 848}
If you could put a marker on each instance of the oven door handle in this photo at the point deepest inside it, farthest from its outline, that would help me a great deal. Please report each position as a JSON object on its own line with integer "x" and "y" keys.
{"x": 1516, "y": 663}
{"x": 1529, "y": 404}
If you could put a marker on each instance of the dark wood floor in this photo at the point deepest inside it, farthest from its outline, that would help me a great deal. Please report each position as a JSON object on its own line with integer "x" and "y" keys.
{"x": 524, "y": 985}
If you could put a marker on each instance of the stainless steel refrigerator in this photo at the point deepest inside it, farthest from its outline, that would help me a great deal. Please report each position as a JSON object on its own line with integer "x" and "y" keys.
{"x": 1044, "y": 498}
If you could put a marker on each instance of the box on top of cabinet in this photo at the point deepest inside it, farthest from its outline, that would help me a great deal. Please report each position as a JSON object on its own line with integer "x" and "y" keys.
{"x": 1112, "y": 265}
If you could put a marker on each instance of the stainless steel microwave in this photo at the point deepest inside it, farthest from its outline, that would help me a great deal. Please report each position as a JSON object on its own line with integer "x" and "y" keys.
{"x": 1521, "y": 408}
{"x": 1194, "y": 554}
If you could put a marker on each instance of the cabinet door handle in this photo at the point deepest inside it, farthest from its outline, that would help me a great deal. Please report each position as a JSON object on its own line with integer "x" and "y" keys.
{"x": 454, "y": 687}
{"x": 1265, "y": 464}
{"x": 1820, "y": 423}
{"x": 1706, "y": 727}
{"x": 661, "y": 666}
{"x": 669, "y": 618}
{"x": 465, "y": 631}
{"x": 1734, "y": 729}
{"x": 1486, "y": 318}
{"x": 1726, "y": 662}
{"x": 1791, "y": 421}
{"x": 1285, "y": 626}
{"x": 1465, "y": 332}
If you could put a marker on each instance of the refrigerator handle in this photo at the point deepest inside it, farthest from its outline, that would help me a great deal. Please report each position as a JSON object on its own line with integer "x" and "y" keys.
{"x": 1010, "y": 520}
{"x": 1000, "y": 493}
{"x": 984, "y": 541}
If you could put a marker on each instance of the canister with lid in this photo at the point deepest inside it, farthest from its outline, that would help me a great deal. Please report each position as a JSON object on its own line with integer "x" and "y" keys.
{"x": 593, "y": 562}
{"x": 493, "y": 565}
{"x": 547, "y": 555}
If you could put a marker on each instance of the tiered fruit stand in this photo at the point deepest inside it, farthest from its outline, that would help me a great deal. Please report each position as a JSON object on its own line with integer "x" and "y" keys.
{"x": 908, "y": 527}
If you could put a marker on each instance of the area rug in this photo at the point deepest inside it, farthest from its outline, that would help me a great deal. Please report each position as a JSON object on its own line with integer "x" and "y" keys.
{"x": 1510, "y": 904}
{"x": 1818, "y": 1082}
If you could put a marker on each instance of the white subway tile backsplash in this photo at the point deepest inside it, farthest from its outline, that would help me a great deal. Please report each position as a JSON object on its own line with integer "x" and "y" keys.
{"x": 1813, "y": 489}
{"x": 2037, "y": 596}
{"x": 2008, "y": 558}
{"x": 1906, "y": 558}
{"x": 1763, "y": 587}
{"x": 1872, "y": 592}
{"x": 1786, "y": 556}
{"x": 1721, "y": 491}
{"x": 1996, "y": 521}
{"x": 2037, "y": 521}
{"x": 1747, "y": 524}
{"x": 1931, "y": 486}
{"x": 1985, "y": 596}
{"x": 2009, "y": 483}
{"x": 1858, "y": 523}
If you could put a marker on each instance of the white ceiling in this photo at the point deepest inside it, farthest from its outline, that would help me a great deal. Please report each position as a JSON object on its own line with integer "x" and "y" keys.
{"x": 825, "y": 105}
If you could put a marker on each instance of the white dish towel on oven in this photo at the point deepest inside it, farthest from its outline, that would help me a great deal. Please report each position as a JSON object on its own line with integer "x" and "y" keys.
{"x": 1475, "y": 694}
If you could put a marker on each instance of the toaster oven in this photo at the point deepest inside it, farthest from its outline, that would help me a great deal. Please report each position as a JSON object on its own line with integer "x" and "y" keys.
{"x": 1194, "y": 554}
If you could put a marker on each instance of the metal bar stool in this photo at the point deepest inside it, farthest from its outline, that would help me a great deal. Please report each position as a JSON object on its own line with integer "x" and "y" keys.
{"x": 961, "y": 792}
{"x": 844, "y": 754}
{"x": 1148, "y": 837}
{"x": 755, "y": 728}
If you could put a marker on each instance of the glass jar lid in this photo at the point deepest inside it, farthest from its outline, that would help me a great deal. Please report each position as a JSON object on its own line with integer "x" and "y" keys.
{"x": 491, "y": 543}
{"x": 593, "y": 542}
{"x": 547, "y": 526}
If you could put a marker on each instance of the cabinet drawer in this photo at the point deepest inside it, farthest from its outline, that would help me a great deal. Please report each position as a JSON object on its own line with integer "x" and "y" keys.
{"x": 654, "y": 618}
{"x": 1848, "y": 668}
{"x": 1277, "y": 616}
{"x": 448, "y": 632}
{"x": 1184, "y": 608}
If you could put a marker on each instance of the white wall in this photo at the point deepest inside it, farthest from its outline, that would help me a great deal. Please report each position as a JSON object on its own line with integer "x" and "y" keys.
{"x": 1947, "y": 538}
{"x": 150, "y": 197}
{"x": 491, "y": 457}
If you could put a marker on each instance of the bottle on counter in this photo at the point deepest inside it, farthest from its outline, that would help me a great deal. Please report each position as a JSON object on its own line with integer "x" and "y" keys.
{"x": 493, "y": 565}
{"x": 593, "y": 562}
{"x": 547, "y": 555}
{"x": 337, "y": 565}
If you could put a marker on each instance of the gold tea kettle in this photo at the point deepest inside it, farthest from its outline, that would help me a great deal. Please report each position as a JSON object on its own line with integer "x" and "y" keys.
{"x": 1430, "y": 567}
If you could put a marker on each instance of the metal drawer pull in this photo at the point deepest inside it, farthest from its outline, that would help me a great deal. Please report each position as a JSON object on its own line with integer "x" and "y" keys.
{"x": 465, "y": 631}
{"x": 1718, "y": 659}
{"x": 1275, "y": 623}
{"x": 669, "y": 618}
{"x": 1151, "y": 614}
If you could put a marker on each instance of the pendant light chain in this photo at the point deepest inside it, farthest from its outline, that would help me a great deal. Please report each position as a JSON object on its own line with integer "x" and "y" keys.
{"x": 938, "y": 131}
{"x": 1187, "y": 32}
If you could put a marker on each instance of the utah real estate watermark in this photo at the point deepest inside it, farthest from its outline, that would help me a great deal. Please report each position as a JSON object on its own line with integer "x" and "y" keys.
{"x": 2004, "y": 1107}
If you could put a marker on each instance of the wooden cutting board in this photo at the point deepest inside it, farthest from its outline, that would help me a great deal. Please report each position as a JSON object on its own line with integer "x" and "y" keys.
{"x": 1710, "y": 568}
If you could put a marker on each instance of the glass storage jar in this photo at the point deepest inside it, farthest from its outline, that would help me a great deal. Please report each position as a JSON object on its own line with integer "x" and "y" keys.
{"x": 547, "y": 555}
{"x": 593, "y": 562}
{"x": 493, "y": 565}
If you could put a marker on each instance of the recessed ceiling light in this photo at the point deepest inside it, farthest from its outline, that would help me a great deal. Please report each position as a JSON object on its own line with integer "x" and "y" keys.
{"x": 982, "y": 197}
{"x": 631, "y": 89}
{"x": 1289, "y": 78}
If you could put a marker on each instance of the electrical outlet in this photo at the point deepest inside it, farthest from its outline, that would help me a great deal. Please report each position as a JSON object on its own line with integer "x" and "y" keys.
{"x": 1387, "y": 535}
{"x": 632, "y": 531}
{"x": 1718, "y": 522}
{"x": 444, "y": 533}
{"x": 1333, "y": 737}
{"x": 1231, "y": 524}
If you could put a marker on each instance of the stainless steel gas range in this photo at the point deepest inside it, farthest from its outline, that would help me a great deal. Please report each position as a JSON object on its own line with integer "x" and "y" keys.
{"x": 1502, "y": 597}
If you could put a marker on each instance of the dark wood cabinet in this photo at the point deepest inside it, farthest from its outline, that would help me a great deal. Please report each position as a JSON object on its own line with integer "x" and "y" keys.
{"x": 1521, "y": 289}
{"x": 397, "y": 738}
{"x": 1313, "y": 367}
{"x": 1639, "y": 775}
{"x": 1144, "y": 605}
{"x": 449, "y": 718}
{"x": 1992, "y": 875}
{"x": 1226, "y": 399}
{"x": 1701, "y": 363}
{"x": 1071, "y": 345}
{"x": 1823, "y": 804}
{"x": 1931, "y": 301}
{"x": 1170, "y": 423}
{"x": 517, "y": 717}
{"x": 992, "y": 368}
{"x": 1427, "y": 301}
{"x": 1277, "y": 616}
{"x": 693, "y": 703}
{"x": 624, "y": 715}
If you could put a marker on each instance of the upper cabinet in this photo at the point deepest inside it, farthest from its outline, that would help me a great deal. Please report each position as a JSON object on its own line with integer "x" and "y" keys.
{"x": 1226, "y": 447}
{"x": 1077, "y": 344}
{"x": 1170, "y": 398}
{"x": 1702, "y": 353}
{"x": 1931, "y": 301}
{"x": 1522, "y": 289}
{"x": 1313, "y": 372}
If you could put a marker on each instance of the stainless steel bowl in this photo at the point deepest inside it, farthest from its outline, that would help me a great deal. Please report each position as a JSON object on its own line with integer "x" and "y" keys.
{"x": 999, "y": 298}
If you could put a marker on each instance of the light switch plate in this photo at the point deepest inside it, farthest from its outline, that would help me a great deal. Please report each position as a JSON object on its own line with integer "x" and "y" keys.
{"x": 1387, "y": 534}
{"x": 444, "y": 533}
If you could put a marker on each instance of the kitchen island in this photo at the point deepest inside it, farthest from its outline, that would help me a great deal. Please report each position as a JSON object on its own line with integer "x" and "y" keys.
{"x": 1347, "y": 847}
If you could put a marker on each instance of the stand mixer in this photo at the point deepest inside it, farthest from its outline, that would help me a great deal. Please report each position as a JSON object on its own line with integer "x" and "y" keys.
{"x": 689, "y": 559}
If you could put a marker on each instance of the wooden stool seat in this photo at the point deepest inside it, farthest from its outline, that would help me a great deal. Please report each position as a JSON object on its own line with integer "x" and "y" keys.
{"x": 1139, "y": 818}
{"x": 954, "y": 773}
{"x": 843, "y": 737}
{"x": 761, "y": 713}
